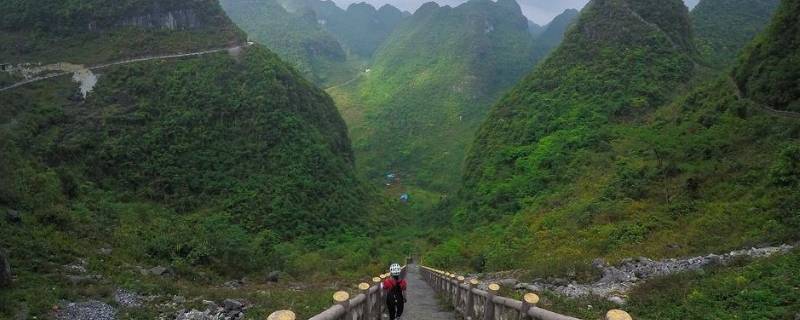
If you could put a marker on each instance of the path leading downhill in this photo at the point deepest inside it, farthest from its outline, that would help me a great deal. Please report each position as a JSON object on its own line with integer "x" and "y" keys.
{"x": 422, "y": 303}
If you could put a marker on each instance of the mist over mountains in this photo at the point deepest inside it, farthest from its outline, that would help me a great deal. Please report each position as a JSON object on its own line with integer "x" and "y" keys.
{"x": 539, "y": 11}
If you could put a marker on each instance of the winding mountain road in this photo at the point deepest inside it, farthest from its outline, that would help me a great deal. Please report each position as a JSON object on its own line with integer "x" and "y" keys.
{"x": 128, "y": 61}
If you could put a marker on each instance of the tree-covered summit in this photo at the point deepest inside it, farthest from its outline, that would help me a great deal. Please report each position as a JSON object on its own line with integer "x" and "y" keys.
{"x": 769, "y": 70}
{"x": 431, "y": 84}
{"x": 724, "y": 27}
{"x": 613, "y": 65}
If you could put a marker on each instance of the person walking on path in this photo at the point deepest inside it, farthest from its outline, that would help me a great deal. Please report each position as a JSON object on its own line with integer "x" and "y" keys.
{"x": 395, "y": 289}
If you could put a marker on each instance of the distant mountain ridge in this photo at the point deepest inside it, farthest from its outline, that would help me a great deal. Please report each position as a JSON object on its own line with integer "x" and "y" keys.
{"x": 724, "y": 27}
{"x": 430, "y": 85}
{"x": 551, "y": 35}
{"x": 297, "y": 37}
{"x": 361, "y": 27}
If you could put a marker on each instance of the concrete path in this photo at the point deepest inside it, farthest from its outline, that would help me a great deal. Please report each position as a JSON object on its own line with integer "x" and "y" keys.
{"x": 422, "y": 303}
{"x": 103, "y": 66}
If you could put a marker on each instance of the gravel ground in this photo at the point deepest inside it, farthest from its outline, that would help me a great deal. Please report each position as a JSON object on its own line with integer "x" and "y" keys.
{"x": 94, "y": 310}
{"x": 128, "y": 299}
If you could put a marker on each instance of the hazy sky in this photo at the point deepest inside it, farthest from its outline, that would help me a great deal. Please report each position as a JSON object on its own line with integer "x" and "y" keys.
{"x": 540, "y": 11}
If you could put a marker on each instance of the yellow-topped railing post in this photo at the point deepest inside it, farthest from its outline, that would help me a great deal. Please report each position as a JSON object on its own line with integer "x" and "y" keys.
{"x": 488, "y": 307}
{"x": 343, "y": 298}
{"x": 617, "y": 314}
{"x": 282, "y": 315}
{"x": 471, "y": 313}
{"x": 528, "y": 301}
{"x": 377, "y": 304}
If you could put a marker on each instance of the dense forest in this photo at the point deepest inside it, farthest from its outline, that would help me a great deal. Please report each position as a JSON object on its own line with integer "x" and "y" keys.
{"x": 257, "y": 150}
{"x": 621, "y": 144}
{"x": 220, "y": 167}
{"x": 430, "y": 85}
{"x": 297, "y": 38}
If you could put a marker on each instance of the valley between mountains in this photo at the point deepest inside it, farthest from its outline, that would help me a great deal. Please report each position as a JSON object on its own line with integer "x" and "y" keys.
{"x": 224, "y": 159}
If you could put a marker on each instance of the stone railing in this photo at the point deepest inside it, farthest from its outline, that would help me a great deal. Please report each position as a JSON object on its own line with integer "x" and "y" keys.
{"x": 367, "y": 304}
{"x": 474, "y": 304}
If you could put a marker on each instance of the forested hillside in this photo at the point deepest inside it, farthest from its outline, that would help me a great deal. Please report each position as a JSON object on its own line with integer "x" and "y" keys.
{"x": 612, "y": 149}
{"x": 216, "y": 167}
{"x": 724, "y": 27}
{"x": 296, "y": 37}
{"x": 91, "y": 31}
{"x": 552, "y": 34}
{"x": 768, "y": 71}
{"x": 156, "y": 159}
{"x": 430, "y": 86}
{"x": 360, "y": 28}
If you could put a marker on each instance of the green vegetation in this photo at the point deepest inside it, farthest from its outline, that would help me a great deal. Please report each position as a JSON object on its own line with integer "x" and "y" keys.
{"x": 218, "y": 167}
{"x": 235, "y": 166}
{"x": 90, "y": 32}
{"x": 429, "y": 87}
{"x": 765, "y": 289}
{"x": 296, "y": 37}
{"x": 361, "y": 28}
{"x": 598, "y": 154}
{"x": 769, "y": 68}
{"x": 724, "y": 27}
{"x": 551, "y": 35}
{"x": 745, "y": 289}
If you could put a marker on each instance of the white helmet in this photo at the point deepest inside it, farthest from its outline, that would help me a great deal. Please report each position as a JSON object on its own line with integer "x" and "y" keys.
{"x": 395, "y": 269}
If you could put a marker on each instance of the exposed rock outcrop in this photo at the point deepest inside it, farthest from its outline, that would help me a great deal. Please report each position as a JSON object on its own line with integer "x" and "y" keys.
{"x": 169, "y": 20}
{"x": 231, "y": 310}
{"x": 617, "y": 280}
{"x": 13, "y": 216}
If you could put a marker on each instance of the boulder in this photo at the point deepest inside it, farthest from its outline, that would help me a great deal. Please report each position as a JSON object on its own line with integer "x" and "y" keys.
{"x": 13, "y": 216}
{"x": 232, "y": 305}
{"x": 210, "y": 305}
{"x": 617, "y": 299}
{"x": 599, "y": 264}
{"x": 233, "y": 284}
{"x": 193, "y": 315}
{"x": 158, "y": 271}
{"x": 508, "y": 283}
{"x": 273, "y": 276}
{"x": 5, "y": 270}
